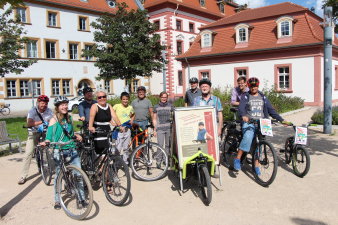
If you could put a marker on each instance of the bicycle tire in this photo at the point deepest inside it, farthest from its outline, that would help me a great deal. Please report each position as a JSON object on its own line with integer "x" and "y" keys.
{"x": 205, "y": 184}
{"x": 287, "y": 152}
{"x": 5, "y": 111}
{"x": 45, "y": 163}
{"x": 230, "y": 150}
{"x": 145, "y": 162}
{"x": 72, "y": 192}
{"x": 267, "y": 157}
{"x": 116, "y": 171}
{"x": 37, "y": 157}
{"x": 298, "y": 156}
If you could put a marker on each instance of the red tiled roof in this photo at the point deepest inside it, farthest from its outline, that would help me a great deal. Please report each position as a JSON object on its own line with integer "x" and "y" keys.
{"x": 211, "y": 7}
{"x": 263, "y": 35}
{"x": 93, "y": 5}
{"x": 258, "y": 13}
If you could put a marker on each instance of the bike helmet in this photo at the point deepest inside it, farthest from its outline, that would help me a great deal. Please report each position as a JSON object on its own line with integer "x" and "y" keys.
{"x": 60, "y": 99}
{"x": 43, "y": 98}
{"x": 205, "y": 81}
{"x": 86, "y": 90}
{"x": 193, "y": 80}
{"x": 253, "y": 82}
{"x": 141, "y": 88}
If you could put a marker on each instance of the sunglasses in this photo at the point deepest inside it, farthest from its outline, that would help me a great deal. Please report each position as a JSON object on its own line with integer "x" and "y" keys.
{"x": 104, "y": 96}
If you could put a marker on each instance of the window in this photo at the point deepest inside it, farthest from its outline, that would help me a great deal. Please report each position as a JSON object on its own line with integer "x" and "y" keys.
{"x": 50, "y": 50}
{"x": 242, "y": 33}
{"x": 66, "y": 87}
{"x": 52, "y": 19}
{"x": 283, "y": 77}
{"x": 178, "y": 25}
{"x": 179, "y": 47}
{"x": 83, "y": 23}
{"x": 191, "y": 27}
{"x": 206, "y": 40}
{"x": 88, "y": 47}
{"x": 55, "y": 87}
{"x": 180, "y": 78}
{"x": 73, "y": 51}
{"x": 221, "y": 7}
{"x": 157, "y": 24}
{"x": 21, "y": 14}
{"x": 205, "y": 75}
{"x": 11, "y": 88}
{"x": 36, "y": 88}
{"x": 32, "y": 49}
{"x": 24, "y": 90}
{"x": 134, "y": 85}
{"x": 111, "y": 3}
{"x": 202, "y": 3}
{"x": 284, "y": 26}
{"x": 107, "y": 86}
{"x": 241, "y": 73}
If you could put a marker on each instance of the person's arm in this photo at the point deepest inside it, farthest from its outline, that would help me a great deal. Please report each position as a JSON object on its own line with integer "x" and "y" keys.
{"x": 208, "y": 136}
{"x": 186, "y": 100}
{"x": 93, "y": 111}
{"x": 151, "y": 113}
{"x": 272, "y": 112}
{"x": 49, "y": 133}
{"x": 132, "y": 115}
{"x": 234, "y": 98}
{"x": 114, "y": 117}
{"x": 155, "y": 123}
{"x": 220, "y": 123}
{"x": 81, "y": 112}
{"x": 33, "y": 123}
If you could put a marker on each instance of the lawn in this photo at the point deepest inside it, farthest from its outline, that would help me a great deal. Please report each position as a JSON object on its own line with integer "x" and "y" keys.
{"x": 14, "y": 126}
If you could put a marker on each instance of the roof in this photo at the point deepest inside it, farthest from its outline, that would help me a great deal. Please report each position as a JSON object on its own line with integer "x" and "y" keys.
{"x": 211, "y": 6}
{"x": 262, "y": 34}
{"x": 258, "y": 13}
{"x": 99, "y": 6}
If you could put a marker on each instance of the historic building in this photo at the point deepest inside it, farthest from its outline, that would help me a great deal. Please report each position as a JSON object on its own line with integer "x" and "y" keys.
{"x": 281, "y": 44}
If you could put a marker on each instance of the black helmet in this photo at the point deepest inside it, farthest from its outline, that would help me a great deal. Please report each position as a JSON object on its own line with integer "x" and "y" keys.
{"x": 201, "y": 124}
{"x": 193, "y": 80}
{"x": 60, "y": 99}
{"x": 205, "y": 81}
{"x": 141, "y": 88}
{"x": 87, "y": 89}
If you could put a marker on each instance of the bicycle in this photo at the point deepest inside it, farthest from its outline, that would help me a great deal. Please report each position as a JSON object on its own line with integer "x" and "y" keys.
{"x": 72, "y": 186}
{"x": 111, "y": 171}
{"x": 5, "y": 110}
{"x": 260, "y": 150}
{"x": 148, "y": 161}
{"x": 296, "y": 153}
{"x": 43, "y": 159}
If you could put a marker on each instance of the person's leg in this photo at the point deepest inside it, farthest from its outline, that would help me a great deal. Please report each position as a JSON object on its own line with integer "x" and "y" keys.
{"x": 160, "y": 142}
{"x": 30, "y": 144}
{"x": 248, "y": 131}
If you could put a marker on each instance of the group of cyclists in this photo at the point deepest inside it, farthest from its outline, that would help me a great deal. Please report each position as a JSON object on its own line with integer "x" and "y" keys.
{"x": 100, "y": 115}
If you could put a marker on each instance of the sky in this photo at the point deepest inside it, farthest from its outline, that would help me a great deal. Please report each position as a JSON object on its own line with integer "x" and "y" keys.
{"x": 317, "y": 4}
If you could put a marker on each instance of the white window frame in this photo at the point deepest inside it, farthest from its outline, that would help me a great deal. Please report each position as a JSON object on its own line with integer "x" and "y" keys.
{"x": 206, "y": 38}
{"x": 83, "y": 23}
{"x": 202, "y": 3}
{"x": 49, "y": 48}
{"x": 24, "y": 89}
{"x": 37, "y": 89}
{"x": 205, "y": 75}
{"x": 134, "y": 85}
{"x": 280, "y": 24}
{"x": 11, "y": 88}
{"x": 22, "y": 14}
{"x": 107, "y": 86}
{"x": 73, "y": 51}
{"x": 242, "y": 72}
{"x": 284, "y": 75}
{"x": 52, "y": 19}
{"x": 56, "y": 87}
{"x": 31, "y": 51}
{"x": 66, "y": 87}
{"x": 242, "y": 30}
{"x": 88, "y": 47}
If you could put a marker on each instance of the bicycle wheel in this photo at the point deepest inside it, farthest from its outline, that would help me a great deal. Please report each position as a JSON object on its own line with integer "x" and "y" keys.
{"x": 5, "y": 111}
{"x": 37, "y": 157}
{"x": 116, "y": 180}
{"x": 230, "y": 150}
{"x": 300, "y": 161}
{"x": 268, "y": 162}
{"x": 288, "y": 147}
{"x": 75, "y": 191}
{"x": 45, "y": 163}
{"x": 149, "y": 162}
{"x": 205, "y": 184}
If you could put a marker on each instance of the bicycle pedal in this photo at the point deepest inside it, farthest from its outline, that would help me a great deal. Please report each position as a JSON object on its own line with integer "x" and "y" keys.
{"x": 282, "y": 150}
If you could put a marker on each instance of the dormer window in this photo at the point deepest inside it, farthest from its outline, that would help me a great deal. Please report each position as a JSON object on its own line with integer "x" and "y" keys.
{"x": 111, "y": 3}
{"x": 242, "y": 33}
{"x": 206, "y": 38}
{"x": 202, "y": 3}
{"x": 221, "y": 7}
{"x": 284, "y": 26}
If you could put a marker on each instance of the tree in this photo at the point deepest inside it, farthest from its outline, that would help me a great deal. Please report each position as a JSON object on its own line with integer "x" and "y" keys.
{"x": 11, "y": 41}
{"x": 12, "y": 2}
{"x": 334, "y": 4}
{"x": 126, "y": 45}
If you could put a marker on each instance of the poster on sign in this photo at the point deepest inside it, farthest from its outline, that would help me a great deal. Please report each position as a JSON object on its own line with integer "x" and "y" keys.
{"x": 301, "y": 135}
{"x": 196, "y": 129}
{"x": 266, "y": 128}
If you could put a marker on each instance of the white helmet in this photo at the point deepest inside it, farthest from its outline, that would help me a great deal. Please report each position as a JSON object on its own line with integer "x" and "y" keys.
{"x": 60, "y": 99}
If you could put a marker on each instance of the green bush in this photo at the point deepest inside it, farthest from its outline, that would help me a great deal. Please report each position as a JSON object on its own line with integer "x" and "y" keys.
{"x": 318, "y": 117}
{"x": 75, "y": 110}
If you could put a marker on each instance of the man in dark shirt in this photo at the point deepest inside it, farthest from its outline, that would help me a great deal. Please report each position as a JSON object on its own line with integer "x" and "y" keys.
{"x": 193, "y": 92}
{"x": 84, "y": 107}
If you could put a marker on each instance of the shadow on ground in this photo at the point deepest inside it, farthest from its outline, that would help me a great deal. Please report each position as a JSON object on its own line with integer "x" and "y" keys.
{"x": 301, "y": 221}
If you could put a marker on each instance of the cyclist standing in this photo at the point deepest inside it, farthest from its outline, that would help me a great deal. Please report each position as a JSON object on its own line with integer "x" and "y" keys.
{"x": 192, "y": 93}
{"x": 142, "y": 107}
{"x": 238, "y": 91}
{"x": 84, "y": 107}
{"x": 60, "y": 129}
{"x": 253, "y": 105}
{"x": 37, "y": 119}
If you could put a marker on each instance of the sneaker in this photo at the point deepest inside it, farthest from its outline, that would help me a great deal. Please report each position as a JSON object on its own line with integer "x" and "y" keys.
{"x": 57, "y": 206}
{"x": 22, "y": 181}
{"x": 237, "y": 164}
{"x": 258, "y": 171}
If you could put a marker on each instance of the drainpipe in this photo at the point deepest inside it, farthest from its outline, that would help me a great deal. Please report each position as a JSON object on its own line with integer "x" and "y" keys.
{"x": 139, "y": 4}
{"x": 176, "y": 9}
{"x": 186, "y": 60}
